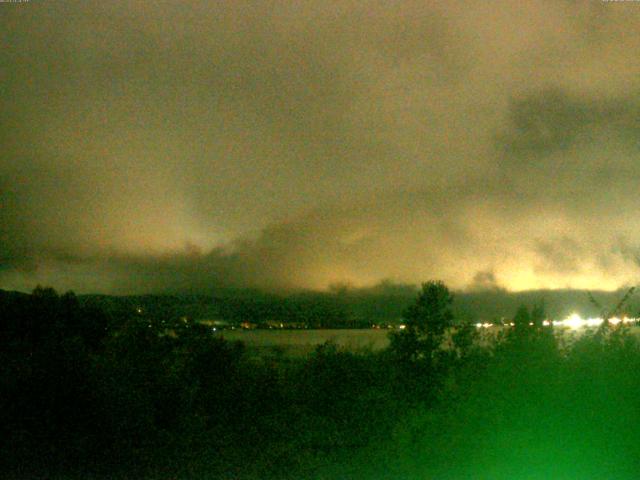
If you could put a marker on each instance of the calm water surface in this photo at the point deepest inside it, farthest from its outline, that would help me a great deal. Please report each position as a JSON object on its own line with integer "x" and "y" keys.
{"x": 304, "y": 341}
{"x": 301, "y": 341}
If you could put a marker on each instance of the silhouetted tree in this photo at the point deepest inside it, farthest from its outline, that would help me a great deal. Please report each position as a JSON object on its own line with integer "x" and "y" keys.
{"x": 522, "y": 318}
{"x": 607, "y": 314}
{"x": 538, "y": 315}
{"x": 426, "y": 322}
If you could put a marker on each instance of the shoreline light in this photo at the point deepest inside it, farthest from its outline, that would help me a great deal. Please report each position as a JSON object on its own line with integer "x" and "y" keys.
{"x": 574, "y": 322}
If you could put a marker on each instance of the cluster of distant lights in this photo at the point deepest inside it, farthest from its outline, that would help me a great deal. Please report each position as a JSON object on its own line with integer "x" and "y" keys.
{"x": 573, "y": 321}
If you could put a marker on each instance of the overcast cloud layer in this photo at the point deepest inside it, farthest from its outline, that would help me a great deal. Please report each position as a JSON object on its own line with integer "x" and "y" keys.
{"x": 150, "y": 146}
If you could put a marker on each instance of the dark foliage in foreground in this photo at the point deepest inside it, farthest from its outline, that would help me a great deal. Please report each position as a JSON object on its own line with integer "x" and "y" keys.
{"x": 90, "y": 394}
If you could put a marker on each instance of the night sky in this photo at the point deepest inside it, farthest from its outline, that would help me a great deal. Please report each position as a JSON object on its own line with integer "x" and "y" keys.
{"x": 179, "y": 146}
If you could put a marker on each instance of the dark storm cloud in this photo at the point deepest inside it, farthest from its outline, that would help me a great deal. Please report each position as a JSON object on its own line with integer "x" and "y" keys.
{"x": 484, "y": 281}
{"x": 549, "y": 120}
{"x": 164, "y": 146}
{"x": 563, "y": 255}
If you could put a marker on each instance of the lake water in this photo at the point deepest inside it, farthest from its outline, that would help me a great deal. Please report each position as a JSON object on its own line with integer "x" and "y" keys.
{"x": 302, "y": 341}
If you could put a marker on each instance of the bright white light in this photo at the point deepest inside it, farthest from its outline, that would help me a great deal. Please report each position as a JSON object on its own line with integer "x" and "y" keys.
{"x": 593, "y": 322}
{"x": 573, "y": 321}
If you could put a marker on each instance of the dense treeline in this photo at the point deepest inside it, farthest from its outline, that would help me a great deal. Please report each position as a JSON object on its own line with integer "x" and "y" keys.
{"x": 89, "y": 392}
{"x": 344, "y": 307}
{"x": 335, "y": 309}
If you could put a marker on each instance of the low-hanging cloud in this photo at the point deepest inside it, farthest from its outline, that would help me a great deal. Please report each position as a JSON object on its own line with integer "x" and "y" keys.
{"x": 166, "y": 147}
